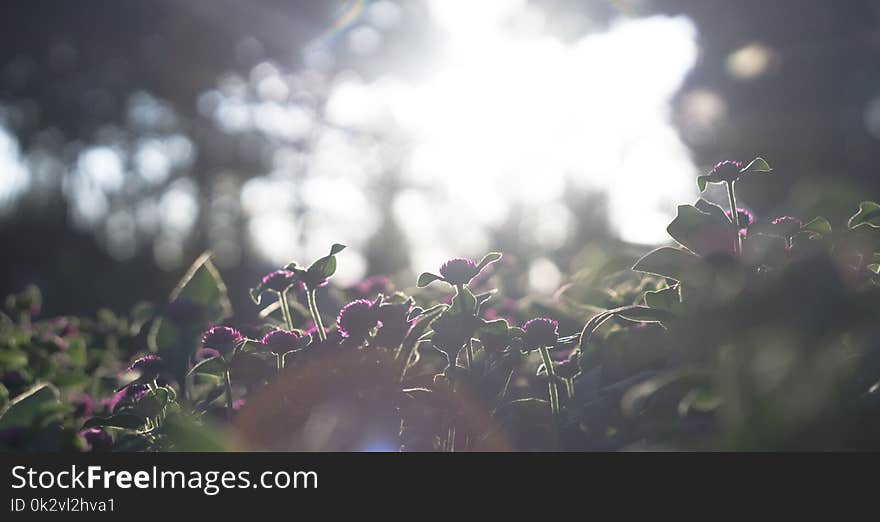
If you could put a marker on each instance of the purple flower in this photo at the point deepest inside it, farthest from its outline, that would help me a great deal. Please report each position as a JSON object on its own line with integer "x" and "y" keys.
{"x": 746, "y": 219}
{"x": 540, "y": 332}
{"x": 98, "y": 439}
{"x": 789, "y": 224}
{"x": 238, "y": 404}
{"x": 149, "y": 366}
{"x": 142, "y": 363}
{"x": 279, "y": 280}
{"x": 221, "y": 338}
{"x": 129, "y": 393}
{"x": 205, "y": 353}
{"x": 283, "y": 341}
{"x": 727, "y": 170}
{"x": 459, "y": 271}
{"x": 356, "y": 319}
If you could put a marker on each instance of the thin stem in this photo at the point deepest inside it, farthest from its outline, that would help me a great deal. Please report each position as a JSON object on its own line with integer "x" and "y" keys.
{"x": 551, "y": 375}
{"x": 285, "y": 309}
{"x": 469, "y": 355}
{"x": 316, "y": 316}
{"x": 731, "y": 195}
{"x": 279, "y": 361}
{"x": 503, "y": 394}
{"x": 228, "y": 384}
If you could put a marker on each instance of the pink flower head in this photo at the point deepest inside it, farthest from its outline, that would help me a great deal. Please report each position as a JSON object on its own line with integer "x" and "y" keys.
{"x": 356, "y": 319}
{"x": 221, "y": 338}
{"x": 283, "y": 341}
{"x": 459, "y": 271}
{"x": 727, "y": 170}
{"x": 279, "y": 280}
{"x": 541, "y": 331}
{"x": 149, "y": 366}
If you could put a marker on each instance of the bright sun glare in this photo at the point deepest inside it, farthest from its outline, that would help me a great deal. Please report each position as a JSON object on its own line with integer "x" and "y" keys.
{"x": 512, "y": 115}
{"x": 507, "y": 119}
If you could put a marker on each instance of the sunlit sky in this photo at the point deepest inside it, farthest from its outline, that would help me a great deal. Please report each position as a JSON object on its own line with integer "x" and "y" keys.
{"x": 507, "y": 116}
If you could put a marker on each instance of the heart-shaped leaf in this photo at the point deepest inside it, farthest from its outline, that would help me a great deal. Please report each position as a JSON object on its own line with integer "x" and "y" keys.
{"x": 28, "y": 407}
{"x": 819, "y": 226}
{"x": 868, "y": 214}
{"x": 488, "y": 259}
{"x": 757, "y": 165}
{"x": 673, "y": 263}
{"x": 209, "y": 366}
{"x": 702, "y": 232}
{"x": 427, "y": 278}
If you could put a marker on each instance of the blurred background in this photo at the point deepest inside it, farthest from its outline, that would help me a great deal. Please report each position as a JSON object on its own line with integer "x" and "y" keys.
{"x": 136, "y": 134}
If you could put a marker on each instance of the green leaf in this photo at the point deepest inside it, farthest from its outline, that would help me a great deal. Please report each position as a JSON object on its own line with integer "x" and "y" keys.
{"x": 28, "y": 407}
{"x": 203, "y": 285}
{"x": 819, "y": 226}
{"x": 757, "y": 165}
{"x": 464, "y": 302}
{"x": 702, "y": 181}
{"x": 323, "y": 268}
{"x": 874, "y": 267}
{"x": 427, "y": 278}
{"x": 12, "y": 359}
{"x": 712, "y": 209}
{"x": 120, "y": 420}
{"x": 336, "y": 248}
{"x": 209, "y": 366}
{"x": 494, "y": 327}
{"x": 868, "y": 214}
{"x": 702, "y": 232}
{"x": 488, "y": 259}
{"x": 668, "y": 299}
{"x": 76, "y": 350}
{"x": 673, "y": 263}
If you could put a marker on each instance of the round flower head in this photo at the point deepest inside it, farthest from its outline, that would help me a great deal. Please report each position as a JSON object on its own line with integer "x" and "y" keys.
{"x": 540, "y": 332}
{"x": 130, "y": 393}
{"x": 459, "y": 271}
{"x": 282, "y": 341}
{"x": 98, "y": 439}
{"x": 727, "y": 170}
{"x": 788, "y": 225}
{"x": 746, "y": 219}
{"x": 204, "y": 353}
{"x": 278, "y": 280}
{"x": 221, "y": 338}
{"x": 149, "y": 366}
{"x": 356, "y": 319}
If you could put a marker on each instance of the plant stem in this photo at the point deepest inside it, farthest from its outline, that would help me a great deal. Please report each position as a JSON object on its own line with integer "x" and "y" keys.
{"x": 285, "y": 309}
{"x": 279, "y": 361}
{"x": 228, "y": 384}
{"x": 731, "y": 195}
{"x": 316, "y": 316}
{"x": 551, "y": 375}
